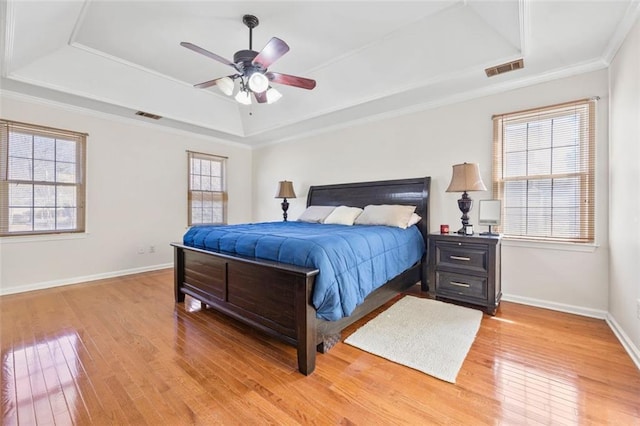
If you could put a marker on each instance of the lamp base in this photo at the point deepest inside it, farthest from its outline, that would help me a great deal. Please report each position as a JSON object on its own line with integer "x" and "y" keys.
{"x": 464, "y": 204}
{"x": 285, "y": 207}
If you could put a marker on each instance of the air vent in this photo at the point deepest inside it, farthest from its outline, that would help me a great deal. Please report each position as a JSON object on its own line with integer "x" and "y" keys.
{"x": 148, "y": 115}
{"x": 501, "y": 69}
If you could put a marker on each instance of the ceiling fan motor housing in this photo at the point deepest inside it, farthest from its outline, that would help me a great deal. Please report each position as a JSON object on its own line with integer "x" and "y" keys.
{"x": 244, "y": 60}
{"x": 244, "y": 63}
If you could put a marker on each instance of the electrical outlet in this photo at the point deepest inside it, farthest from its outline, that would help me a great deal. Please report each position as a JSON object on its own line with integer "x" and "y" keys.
{"x": 152, "y": 249}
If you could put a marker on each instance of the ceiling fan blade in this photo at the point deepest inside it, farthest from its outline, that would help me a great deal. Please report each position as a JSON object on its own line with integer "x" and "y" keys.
{"x": 215, "y": 81}
{"x": 207, "y": 53}
{"x": 261, "y": 97}
{"x": 291, "y": 80}
{"x": 273, "y": 51}
{"x": 206, "y": 84}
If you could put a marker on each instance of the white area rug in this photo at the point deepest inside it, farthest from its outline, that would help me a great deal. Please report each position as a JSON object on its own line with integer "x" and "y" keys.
{"x": 424, "y": 334}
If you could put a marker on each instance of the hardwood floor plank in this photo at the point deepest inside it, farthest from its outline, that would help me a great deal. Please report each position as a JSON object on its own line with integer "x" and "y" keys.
{"x": 78, "y": 400}
{"x": 120, "y": 351}
{"x": 8, "y": 392}
{"x": 24, "y": 402}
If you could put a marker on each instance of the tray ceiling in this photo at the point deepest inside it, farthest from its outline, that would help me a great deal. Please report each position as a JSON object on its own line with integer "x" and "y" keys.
{"x": 368, "y": 58}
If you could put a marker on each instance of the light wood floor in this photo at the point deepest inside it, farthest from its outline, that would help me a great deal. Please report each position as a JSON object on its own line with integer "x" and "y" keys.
{"x": 119, "y": 351}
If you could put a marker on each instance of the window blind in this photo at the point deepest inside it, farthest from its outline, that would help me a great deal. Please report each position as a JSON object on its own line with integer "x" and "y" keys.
{"x": 42, "y": 179}
{"x": 544, "y": 172}
{"x": 207, "y": 197}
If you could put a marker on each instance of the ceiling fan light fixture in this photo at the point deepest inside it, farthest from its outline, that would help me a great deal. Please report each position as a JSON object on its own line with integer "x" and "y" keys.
{"x": 258, "y": 82}
{"x": 251, "y": 70}
{"x": 226, "y": 85}
{"x": 243, "y": 97}
{"x": 273, "y": 95}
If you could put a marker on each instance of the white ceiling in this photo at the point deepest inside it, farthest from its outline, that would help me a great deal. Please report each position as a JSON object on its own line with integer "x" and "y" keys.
{"x": 369, "y": 58}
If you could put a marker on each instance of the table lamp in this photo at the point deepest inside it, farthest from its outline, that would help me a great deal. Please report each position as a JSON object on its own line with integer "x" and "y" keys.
{"x": 285, "y": 190}
{"x": 466, "y": 177}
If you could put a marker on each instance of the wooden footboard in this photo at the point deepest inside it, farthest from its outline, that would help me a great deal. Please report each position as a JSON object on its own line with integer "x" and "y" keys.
{"x": 272, "y": 297}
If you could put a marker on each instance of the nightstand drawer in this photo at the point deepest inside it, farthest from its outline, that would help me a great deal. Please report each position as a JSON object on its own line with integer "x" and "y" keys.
{"x": 459, "y": 284}
{"x": 472, "y": 257}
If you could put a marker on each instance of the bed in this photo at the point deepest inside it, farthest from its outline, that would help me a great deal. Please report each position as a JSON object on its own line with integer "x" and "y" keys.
{"x": 276, "y": 297}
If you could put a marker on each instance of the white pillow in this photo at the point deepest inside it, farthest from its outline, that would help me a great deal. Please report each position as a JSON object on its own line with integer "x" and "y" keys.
{"x": 386, "y": 214}
{"x": 316, "y": 214}
{"x": 343, "y": 215}
{"x": 414, "y": 219}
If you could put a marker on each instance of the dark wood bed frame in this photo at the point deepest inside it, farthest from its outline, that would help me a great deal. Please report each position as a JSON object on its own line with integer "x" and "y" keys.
{"x": 276, "y": 297}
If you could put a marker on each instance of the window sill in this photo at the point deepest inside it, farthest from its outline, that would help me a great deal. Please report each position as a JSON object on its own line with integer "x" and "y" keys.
{"x": 548, "y": 245}
{"x": 21, "y": 239}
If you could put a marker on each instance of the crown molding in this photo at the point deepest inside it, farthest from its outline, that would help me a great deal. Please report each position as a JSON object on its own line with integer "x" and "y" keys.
{"x": 7, "y": 16}
{"x": 622, "y": 30}
{"x": 591, "y": 66}
{"x": 116, "y": 117}
{"x": 525, "y": 25}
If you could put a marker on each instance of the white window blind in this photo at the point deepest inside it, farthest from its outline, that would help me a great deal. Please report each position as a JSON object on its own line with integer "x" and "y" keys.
{"x": 544, "y": 170}
{"x": 207, "y": 200}
{"x": 42, "y": 179}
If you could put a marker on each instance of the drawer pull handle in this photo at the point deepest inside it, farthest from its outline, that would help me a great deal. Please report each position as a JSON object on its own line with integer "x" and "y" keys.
{"x": 460, "y": 258}
{"x": 459, "y": 284}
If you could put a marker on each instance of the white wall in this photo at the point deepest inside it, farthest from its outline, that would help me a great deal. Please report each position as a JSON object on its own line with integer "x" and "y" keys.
{"x": 428, "y": 143}
{"x": 624, "y": 157}
{"x": 136, "y": 197}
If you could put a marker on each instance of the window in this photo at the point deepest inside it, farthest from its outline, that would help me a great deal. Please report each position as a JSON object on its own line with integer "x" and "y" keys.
{"x": 207, "y": 190}
{"x": 544, "y": 172}
{"x": 42, "y": 180}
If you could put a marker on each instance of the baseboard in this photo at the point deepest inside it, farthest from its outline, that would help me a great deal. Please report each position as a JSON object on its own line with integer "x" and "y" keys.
{"x": 631, "y": 349}
{"x": 78, "y": 280}
{"x": 561, "y": 307}
{"x": 626, "y": 342}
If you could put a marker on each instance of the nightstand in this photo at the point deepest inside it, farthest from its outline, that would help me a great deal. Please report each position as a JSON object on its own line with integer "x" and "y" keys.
{"x": 466, "y": 269}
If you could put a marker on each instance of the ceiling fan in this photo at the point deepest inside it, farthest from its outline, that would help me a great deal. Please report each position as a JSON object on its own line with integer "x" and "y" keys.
{"x": 252, "y": 70}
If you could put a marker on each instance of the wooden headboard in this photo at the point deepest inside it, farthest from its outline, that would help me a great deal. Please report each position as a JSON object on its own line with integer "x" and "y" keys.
{"x": 413, "y": 192}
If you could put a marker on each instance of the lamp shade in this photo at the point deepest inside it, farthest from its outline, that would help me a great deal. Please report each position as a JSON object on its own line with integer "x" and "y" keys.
{"x": 273, "y": 95}
{"x": 285, "y": 190}
{"x": 466, "y": 177}
{"x": 226, "y": 85}
{"x": 244, "y": 97}
{"x": 258, "y": 82}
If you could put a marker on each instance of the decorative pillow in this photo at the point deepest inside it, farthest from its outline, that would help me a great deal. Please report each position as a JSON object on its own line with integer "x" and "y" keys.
{"x": 414, "y": 219}
{"x": 343, "y": 215}
{"x": 316, "y": 214}
{"x": 386, "y": 214}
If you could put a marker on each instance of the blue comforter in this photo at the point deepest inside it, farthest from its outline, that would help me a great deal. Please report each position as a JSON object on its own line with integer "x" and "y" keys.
{"x": 353, "y": 260}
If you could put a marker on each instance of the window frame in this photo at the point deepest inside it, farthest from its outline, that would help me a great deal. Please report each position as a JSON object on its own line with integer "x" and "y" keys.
{"x": 220, "y": 196}
{"x": 7, "y": 127}
{"x": 585, "y": 109}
